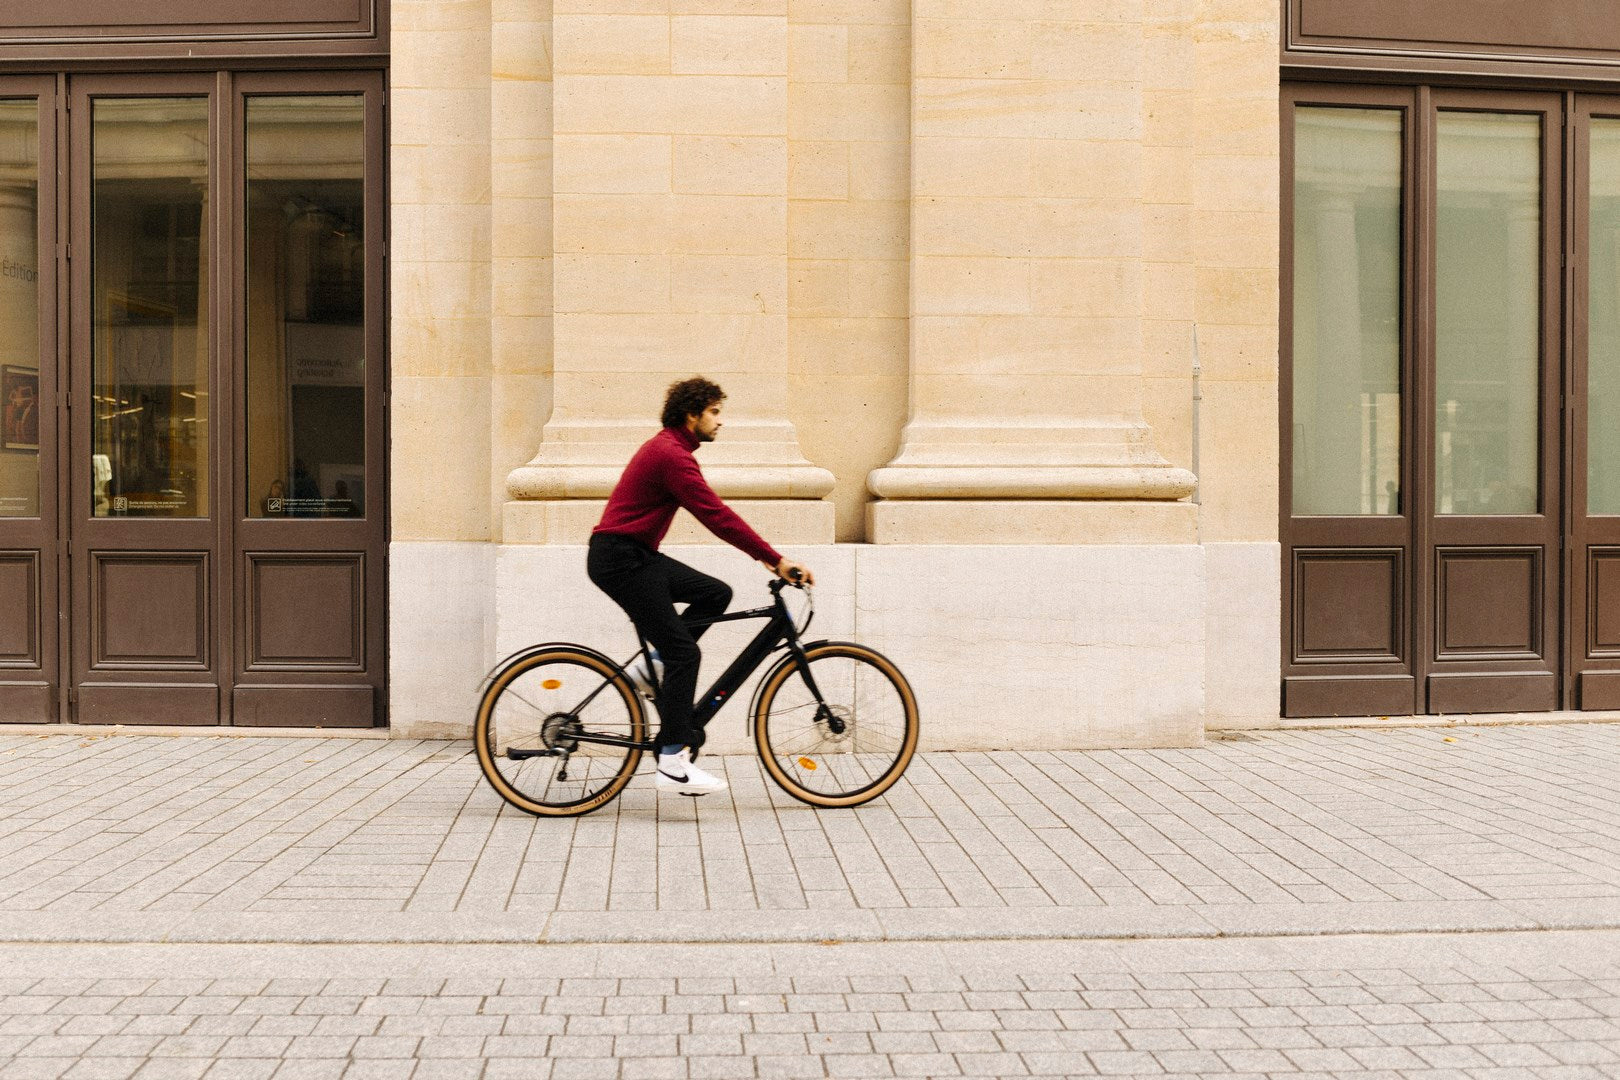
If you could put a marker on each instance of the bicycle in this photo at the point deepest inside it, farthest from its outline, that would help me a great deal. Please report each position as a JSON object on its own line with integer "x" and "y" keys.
{"x": 840, "y": 734}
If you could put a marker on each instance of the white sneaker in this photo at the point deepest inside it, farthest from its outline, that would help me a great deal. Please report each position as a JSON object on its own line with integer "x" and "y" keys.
{"x": 676, "y": 773}
{"x": 641, "y": 677}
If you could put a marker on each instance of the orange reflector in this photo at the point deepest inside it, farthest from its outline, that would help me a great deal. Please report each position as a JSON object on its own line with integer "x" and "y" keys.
{"x": 806, "y": 763}
{"x": 552, "y": 684}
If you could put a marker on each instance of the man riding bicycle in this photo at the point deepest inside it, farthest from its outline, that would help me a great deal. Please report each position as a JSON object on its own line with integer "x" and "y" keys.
{"x": 625, "y": 563}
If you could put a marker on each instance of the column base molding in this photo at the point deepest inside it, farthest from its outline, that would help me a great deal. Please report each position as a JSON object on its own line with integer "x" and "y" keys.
{"x": 1030, "y": 521}
{"x": 569, "y": 521}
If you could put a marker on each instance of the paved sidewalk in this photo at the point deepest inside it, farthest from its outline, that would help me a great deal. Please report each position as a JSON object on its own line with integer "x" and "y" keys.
{"x": 1539, "y": 1006}
{"x": 139, "y": 838}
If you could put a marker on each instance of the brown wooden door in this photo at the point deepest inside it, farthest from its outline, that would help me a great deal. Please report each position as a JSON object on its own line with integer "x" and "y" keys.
{"x": 1423, "y": 471}
{"x": 227, "y": 462}
{"x": 29, "y": 534}
{"x": 310, "y": 431}
{"x": 144, "y": 478}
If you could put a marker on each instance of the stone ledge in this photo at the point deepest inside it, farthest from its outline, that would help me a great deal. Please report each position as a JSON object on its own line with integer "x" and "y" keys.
{"x": 1030, "y": 521}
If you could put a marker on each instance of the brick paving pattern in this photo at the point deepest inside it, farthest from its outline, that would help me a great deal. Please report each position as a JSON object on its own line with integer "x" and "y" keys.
{"x": 1474, "y": 1021}
{"x": 308, "y": 826}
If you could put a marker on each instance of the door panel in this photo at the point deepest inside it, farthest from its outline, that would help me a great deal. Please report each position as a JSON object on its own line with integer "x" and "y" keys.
{"x": 311, "y": 514}
{"x": 144, "y": 482}
{"x": 29, "y": 529}
{"x": 1347, "y": 590}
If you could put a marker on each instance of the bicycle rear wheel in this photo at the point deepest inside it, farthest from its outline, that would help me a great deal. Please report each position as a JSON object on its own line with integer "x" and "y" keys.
{"x": 526, "y": 720}
{"x": 851, "y": 745}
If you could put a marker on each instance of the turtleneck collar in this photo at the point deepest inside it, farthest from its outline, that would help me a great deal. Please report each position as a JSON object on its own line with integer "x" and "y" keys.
{"x": 686, "y": 438}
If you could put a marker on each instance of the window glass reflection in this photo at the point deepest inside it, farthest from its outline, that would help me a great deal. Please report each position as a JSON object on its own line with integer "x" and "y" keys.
{"x": 306, "y": 306}
{"x": 1603, "y": 351}
{"x": 149, "y": 307}
{"x": 19, "y": 308}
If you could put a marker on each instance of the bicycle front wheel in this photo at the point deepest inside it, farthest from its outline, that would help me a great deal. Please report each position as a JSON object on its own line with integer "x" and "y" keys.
{"x": 528, "y": 720}
{"x": 849, "y": 745}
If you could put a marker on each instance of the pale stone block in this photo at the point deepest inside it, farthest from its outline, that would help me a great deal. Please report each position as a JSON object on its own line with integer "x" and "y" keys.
{"x": 970, "y": 286}
{"x": 1243, "y": 633}
{"x": 980, "y": 49}
{"x": 612, "y": 283}
{"x": 428, "y": 345}
{"x": 611, "y": 44}
{"x": 1023, "y": 345}
{"x": 1168, "y": 177}
{"x": 519, "y": 405}
{"x": 1167, "y": 348}
{"x": 860, "y": 111}
{"x": 818, "y": 54}
{"x": 850, "y": 347}
{"x": 521, "y": 228}
{"x": 521, "y": 345}
{"x": 437, "y": 175}
{"x": 610, "y": 7}
{"x": 1239, "y": 453}
{"x": 1246, "y": 353}
{"x": 613, "y": 104}
{"x": 1088, "y": 51}
{"x": 818, "y": 170}
{"x": 834, "y": 230}
{"x": 434, "y": 15}
{"x": 818, "y": 288}
{"x": 419, "y": 233}
{"x": 880, "y": 53}
{"x": 1084, "y": 524}
{"x": 521, "y": 168}
{"x": 729, "y": 45}
{"x": 729, "y": 105}
{"x": 1065, "y": 168}
{"x": 722, "y": 165}
{"x": 1237, "y": 183}
{"x": 1087, "y": 288}
{"x": 880, "y": 288}
{"x": 1075, "y": 646}
{"x": 1247, "y": 239}
{"x": 441, "y": 117}
{"x": 437, "y": 60}
{"x": 689, "y": 343}
{"x": 982, "y": 167}
{"x": 729, "y": 225}
{"x": 777, "y": 8}
{"x": 438, "y": 496}
{"x": 522, "y": 287}
{"x": 1168, "y": 290}
{"x": 850, "y": 12}
{"x": 729, "y": 283}
{"x": 1237, "y": 297}
{"x": 446, "y": 290}
{"x": 521, "y": 48}
{"x": 987, "y": 108}
{"x": 629, "y": 224}
{"x": 520, "y": 108}
{"x": 441, "y": 635}
{"x": 1050, "y": 229}
{"x": 1167, "y": 407}
{"x": 1166, "y": 232}
{"x": 958, "y": 388}
{"x": 1240, "y": 126}
{"x": 879, "y": 170}
{"x": 613, "y": 164}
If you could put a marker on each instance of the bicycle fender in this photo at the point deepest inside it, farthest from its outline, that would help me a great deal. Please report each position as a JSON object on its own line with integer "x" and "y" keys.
{"x": 524, "y": 653}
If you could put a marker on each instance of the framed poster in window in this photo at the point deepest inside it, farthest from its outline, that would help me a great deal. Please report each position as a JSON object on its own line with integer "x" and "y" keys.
{"x": 19, "y": 390}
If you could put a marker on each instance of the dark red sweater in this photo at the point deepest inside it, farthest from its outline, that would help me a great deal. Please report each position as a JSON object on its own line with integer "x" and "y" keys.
{"x": 662, "y": 476}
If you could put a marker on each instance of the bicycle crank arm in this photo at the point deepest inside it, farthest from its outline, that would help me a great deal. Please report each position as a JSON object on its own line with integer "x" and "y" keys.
{"x": 513, "y": 754}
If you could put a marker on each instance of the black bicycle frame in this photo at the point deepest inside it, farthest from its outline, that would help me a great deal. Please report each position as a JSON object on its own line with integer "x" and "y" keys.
{"x": 778, "y": 629}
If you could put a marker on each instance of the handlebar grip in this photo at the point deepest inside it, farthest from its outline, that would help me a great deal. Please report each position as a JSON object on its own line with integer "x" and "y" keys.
{"x": 796, "y": 575}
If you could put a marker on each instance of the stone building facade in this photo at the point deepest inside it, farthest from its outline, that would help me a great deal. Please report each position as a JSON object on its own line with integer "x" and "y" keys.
{"x": 992, "y": 288}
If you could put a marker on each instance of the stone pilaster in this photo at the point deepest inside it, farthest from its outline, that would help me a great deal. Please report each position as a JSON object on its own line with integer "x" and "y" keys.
{"x": 1027, "y": 284}
{"x": 670, "y": 159}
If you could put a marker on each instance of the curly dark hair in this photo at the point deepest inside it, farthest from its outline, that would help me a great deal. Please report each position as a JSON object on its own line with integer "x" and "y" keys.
{"x": 689, "y": 397}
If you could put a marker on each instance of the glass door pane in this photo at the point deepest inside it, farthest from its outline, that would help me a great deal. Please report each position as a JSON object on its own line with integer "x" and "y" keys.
{"x": 1488, "y": 313}
{"x": 1603, "y": 326}
{"x": 1347, "y": 312}
{"x": 149, "y": 307}
{"x": 19, "y": 308}
{"x": 306, "y": 361}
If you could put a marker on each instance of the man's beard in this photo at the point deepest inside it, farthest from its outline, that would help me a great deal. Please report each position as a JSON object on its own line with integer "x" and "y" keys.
{"x": 704, "y": 436}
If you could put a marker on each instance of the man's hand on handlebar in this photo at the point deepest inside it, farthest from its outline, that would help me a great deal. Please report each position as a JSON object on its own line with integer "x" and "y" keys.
{"x": 794, "y": 573}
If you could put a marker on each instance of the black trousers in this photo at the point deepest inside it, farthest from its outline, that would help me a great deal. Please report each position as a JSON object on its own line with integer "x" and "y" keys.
{"x": 648, "y": 585}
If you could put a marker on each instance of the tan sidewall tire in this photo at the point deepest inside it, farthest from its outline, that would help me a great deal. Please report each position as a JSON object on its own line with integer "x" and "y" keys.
{"x": 486, "y": 705}
{"x": 767, "y": 695}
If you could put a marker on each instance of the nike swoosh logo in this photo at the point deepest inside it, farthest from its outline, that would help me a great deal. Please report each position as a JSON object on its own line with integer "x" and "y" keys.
{"x": 672, "y": 776}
